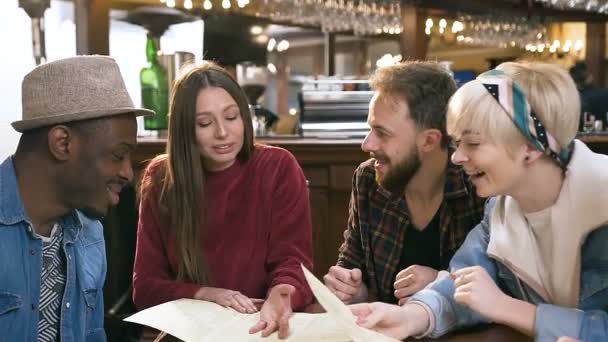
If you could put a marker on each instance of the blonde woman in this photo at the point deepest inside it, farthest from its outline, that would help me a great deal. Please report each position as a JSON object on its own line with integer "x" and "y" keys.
{"x": 537, "y": 262}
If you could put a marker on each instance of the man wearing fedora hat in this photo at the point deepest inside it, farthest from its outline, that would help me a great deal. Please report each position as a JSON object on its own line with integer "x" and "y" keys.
{"x": 73, "y": 159}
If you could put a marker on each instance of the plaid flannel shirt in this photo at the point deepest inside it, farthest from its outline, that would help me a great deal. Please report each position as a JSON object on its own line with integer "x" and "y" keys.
{"x": 377, "y": 225}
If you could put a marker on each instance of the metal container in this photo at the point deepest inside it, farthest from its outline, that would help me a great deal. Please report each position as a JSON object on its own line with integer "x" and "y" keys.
{"x": 174, "y": 63}
{"x": 598, "y": 126}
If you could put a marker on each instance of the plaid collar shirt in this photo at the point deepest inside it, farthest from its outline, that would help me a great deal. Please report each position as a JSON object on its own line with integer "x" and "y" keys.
{"x": 377, "y": 225}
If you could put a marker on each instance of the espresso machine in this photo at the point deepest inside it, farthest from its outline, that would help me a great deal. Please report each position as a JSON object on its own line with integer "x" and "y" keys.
{"x": 252, "y": 79}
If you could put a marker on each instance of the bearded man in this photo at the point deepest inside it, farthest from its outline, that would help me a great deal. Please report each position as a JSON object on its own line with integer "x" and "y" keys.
{"x": 410, "y": 208}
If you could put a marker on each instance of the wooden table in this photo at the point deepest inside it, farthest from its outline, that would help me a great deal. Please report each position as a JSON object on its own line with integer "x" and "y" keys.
{"x": 489, "y": 333}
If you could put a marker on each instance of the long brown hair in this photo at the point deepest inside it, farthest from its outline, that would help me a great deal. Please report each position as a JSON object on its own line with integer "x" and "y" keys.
{"x": 181, "y": 180}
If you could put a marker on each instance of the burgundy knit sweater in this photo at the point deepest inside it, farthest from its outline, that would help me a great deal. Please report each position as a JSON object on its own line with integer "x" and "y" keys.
{"x": 258, "y": 232}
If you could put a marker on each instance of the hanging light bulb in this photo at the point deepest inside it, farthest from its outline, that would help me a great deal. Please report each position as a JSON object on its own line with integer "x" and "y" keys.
{"x": 226, "y": 4}
{"x": 207, "y": 5}
{"x": 171, "y": 3}
{"x": 188, "y": 4}
{"x": 163, "y": 1}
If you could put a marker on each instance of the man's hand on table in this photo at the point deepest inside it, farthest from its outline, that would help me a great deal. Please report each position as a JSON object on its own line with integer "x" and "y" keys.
{"x": 346, "y": 284}
{"x": 411, "y": 280}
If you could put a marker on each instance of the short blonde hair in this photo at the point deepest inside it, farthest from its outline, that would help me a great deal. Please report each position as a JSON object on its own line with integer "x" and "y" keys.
{"x": 549, "y": 89}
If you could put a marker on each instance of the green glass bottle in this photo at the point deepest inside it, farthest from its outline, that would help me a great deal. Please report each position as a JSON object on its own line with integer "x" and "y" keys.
{"x": 154, "y": 88}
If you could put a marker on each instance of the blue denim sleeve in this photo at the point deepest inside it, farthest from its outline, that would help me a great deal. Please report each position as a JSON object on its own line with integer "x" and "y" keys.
{"x": 438, "y": 297}
{"x": 98, "y": 335}
{"x": 554, "y": 321}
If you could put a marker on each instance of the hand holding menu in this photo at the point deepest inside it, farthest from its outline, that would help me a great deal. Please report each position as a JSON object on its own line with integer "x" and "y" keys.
{"x": 198, "y": 321}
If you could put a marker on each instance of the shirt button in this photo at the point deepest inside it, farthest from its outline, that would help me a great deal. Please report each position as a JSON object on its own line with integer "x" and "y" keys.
{"x": 32, "y": 252}
{"x": 67, "y": 305}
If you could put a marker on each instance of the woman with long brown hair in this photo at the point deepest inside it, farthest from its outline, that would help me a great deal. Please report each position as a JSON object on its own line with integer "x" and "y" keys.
{"x": 222, "y": 219}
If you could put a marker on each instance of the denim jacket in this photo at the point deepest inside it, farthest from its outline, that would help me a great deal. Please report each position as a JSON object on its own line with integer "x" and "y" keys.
{"x": 21, "y": 269}
{"x": 589, "y": 322}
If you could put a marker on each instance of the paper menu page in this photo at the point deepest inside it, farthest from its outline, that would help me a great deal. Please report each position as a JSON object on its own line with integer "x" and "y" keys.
{"x": 199, "y": 321}
{"x": 339, "y": 312}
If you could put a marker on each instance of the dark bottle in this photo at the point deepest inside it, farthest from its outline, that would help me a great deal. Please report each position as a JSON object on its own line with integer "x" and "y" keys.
{"x": 154, "y": 88}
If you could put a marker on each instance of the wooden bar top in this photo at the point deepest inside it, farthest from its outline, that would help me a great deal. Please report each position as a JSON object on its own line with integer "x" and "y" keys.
{"x": 595, "y": 138}
{"x": 318, "y": 150}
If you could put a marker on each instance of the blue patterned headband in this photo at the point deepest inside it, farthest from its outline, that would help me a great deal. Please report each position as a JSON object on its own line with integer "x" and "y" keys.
{"x": 513, "y": 101}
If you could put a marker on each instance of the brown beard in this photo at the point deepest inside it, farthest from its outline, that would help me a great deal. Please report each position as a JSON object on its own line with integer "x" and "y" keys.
{"x": 399, "y": 176}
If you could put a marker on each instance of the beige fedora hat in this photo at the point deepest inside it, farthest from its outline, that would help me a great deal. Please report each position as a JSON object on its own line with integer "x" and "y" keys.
{"x": 74, "y": 89}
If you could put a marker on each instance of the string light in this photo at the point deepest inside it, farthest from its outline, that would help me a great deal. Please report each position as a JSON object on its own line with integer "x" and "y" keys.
{"x": 171, "y": 3}
{"x": 207, "y": 5}
{"x": 283, "y": 45}
{"x": 226, "y": 4}
{"x": 271, "y": 45}
{"x": 188, "y": 4}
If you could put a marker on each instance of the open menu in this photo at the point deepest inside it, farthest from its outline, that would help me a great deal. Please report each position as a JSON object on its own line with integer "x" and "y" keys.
{"x": 199, "y": 321}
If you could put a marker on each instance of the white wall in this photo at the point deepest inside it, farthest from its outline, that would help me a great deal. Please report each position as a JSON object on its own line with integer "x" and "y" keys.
{"x": 16, "y": 60}
{"x": 127, "y": 46}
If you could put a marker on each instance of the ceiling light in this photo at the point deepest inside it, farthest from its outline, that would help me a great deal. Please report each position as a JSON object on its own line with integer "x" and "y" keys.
{"x": 271, "y": 45}
{"x": 256, "y": 29}
{"x": 262, "y": 39}
{"x": 282, "y": 46}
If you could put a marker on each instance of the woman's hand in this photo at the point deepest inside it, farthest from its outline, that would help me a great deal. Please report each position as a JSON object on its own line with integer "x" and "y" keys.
{"x": 395, "y": 321}
{"x": 229, "y": 299}
{"x": 477, "y": 290}
{"x": 275, "y": 312}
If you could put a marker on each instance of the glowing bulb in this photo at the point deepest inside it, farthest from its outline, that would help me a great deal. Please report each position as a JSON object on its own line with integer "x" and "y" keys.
{"x": 457, "y": 26}
{"x": 188, "y": 4}
{"x": 207, "y": 5}
{"x": 256, "y": 29}
{"x": 272, "y": 68}
{"x": 283, "y": 45}
{"x": 171, "y": 3}
{"x": 226, "y": 4}
{"x": 262, "y": 39}
{"x": 443, "y": 23}
{"x": 271, "y": 44}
